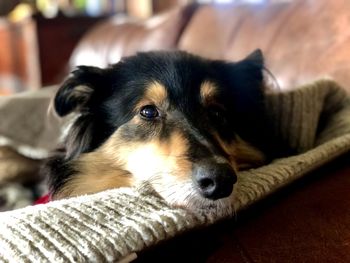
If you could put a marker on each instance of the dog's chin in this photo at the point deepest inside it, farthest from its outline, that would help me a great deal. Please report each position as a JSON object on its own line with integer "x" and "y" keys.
{"x": 185, "y": 195}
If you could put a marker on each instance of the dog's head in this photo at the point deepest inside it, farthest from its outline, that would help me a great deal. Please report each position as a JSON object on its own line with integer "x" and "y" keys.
{"x": 181, "y": 123}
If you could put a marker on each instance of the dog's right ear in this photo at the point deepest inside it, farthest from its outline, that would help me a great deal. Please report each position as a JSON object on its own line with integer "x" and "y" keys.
{"x": 76, "y": 92}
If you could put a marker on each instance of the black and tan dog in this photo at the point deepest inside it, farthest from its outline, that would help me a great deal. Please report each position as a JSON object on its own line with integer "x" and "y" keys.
{"x": 181, "y": 123}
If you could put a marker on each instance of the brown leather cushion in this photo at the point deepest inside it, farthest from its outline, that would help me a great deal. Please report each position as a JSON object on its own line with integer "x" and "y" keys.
{"x": 119, "y": 37}
{"x": 307, "y": 222}
{"x": 302, "y": 40}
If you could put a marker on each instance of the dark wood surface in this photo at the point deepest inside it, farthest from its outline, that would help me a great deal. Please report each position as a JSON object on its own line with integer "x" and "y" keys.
{"x": 57, "y": 38}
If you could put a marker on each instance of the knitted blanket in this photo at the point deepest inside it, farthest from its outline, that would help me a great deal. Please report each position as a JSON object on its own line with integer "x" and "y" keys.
{"x": 108, "y": 226}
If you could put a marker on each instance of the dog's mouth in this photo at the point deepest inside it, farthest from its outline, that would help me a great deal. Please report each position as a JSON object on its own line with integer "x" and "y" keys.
{"x": 208, "y": 197}
{"x": 187, "y": 196}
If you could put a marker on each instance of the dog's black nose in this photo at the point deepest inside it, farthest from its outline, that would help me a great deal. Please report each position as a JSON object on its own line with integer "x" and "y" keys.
{"x": 214, "y": 181}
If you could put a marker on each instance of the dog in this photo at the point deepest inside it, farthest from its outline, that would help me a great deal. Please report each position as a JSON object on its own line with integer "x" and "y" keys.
{"x": 183, "y": 124}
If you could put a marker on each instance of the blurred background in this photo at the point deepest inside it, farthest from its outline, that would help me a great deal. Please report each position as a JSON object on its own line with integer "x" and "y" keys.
{"x": 37, "y": 37}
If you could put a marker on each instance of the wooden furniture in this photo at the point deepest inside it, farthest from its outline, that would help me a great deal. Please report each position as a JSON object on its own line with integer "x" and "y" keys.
{"x": 57, "y": 38}
{"x": 19, "y": 64}
{"x": 35, "y": 51}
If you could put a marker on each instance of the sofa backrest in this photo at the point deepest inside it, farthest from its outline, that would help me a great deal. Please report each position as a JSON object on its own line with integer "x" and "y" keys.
{"x": 302, "y": 39}
{"x": 118, "y": 37}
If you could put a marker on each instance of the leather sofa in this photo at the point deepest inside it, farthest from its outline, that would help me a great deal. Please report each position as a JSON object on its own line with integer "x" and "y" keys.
{"x": 307, "y": 221}
{"x": 302, "y": 40}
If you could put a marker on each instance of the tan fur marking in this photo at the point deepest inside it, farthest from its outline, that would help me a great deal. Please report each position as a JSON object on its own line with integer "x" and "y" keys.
{"x": 241, "y": 154}
{"x": 157, "y": 159}
{"x": 177, "y": 148}
{"x": 96, "y": 173}
{"x": 155, "y": 93}
{"x": 148, "y": 159}
{"x": 118, "y": 163}
{"x": 93, "y": 182}
{"x": 208, "y": 91}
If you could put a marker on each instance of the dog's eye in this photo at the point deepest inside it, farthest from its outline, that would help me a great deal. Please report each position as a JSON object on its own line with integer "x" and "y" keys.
{"x": 149, "y": 112}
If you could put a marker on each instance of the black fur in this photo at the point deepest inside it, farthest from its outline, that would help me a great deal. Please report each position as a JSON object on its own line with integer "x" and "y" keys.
{"x": 111, "y": 94}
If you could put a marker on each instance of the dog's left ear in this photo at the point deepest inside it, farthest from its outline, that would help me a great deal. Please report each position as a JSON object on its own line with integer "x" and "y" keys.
{"x": 245, "y": 81}
{"x": 77, "y": 91}
{"x": 250, "y": 69}
{"x": 256, "y": 57}
{"x": 245, "y": 94}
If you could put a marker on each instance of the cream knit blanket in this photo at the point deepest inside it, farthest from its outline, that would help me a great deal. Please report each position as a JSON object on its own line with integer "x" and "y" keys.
{"x": 110, "y": 225}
